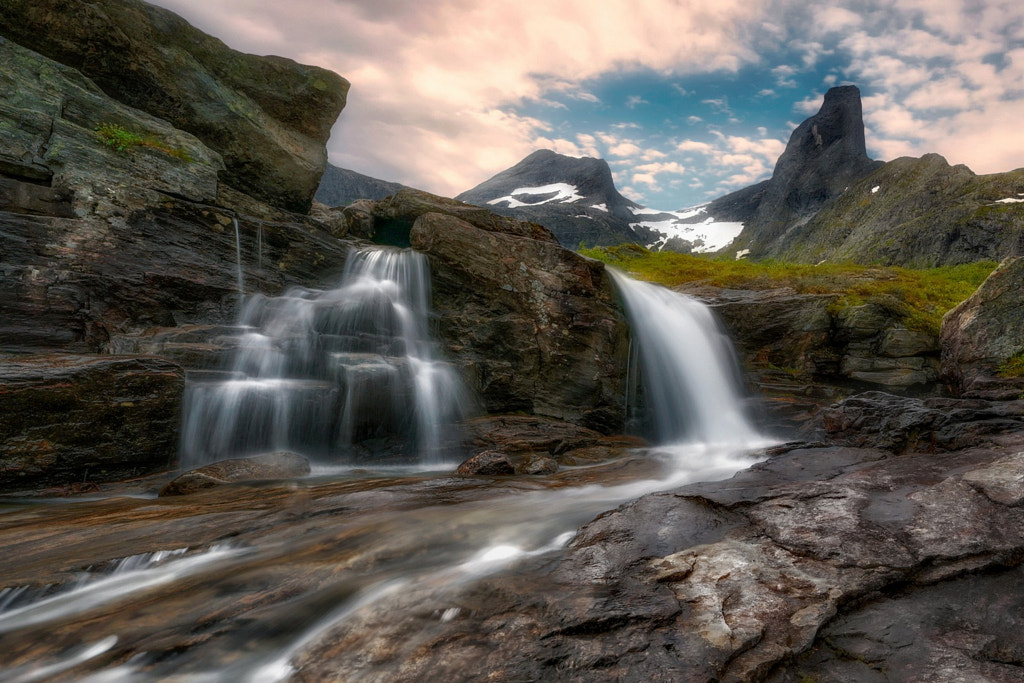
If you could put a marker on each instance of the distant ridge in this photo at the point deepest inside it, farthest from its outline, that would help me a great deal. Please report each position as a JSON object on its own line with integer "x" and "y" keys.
{"x": 341, "y": 187}
{"x": 577, "y": 200}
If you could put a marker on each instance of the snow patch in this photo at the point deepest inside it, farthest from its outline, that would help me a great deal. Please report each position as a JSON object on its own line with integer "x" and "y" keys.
{"x": 875, "y": 189}
{"x": 563, "y": 193}
{"x": 742, "y": 253}
{"x": 600, "y": 207}
{"x": 706, "y": 236}
{"x": 1010, "y": 200}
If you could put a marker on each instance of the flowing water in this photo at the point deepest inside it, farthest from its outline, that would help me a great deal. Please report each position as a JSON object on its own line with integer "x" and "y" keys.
{"x": 344, "y": 376}
{"x": 253, "y": 578}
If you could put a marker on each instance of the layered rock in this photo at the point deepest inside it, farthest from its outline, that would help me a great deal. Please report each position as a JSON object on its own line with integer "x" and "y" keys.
{"x": 533, "y": 326}
{"x": 985, "y": 333}
{"x": 71, "y": 418}
{"x": 268, "y": 117}
{"x": 806, "y": 343}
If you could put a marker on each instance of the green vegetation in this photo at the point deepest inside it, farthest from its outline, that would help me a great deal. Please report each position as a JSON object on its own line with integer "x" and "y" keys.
{"x": 1012, "y": 366}
{"x": 124, "y": 140}
{"x": 920, "y": 297}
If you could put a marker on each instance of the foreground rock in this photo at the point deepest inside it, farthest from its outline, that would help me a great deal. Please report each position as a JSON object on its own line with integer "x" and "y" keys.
{"x": 732, "y": 580}
{"x": 984, "y": 333}
{"x": 268, "y": 117}
{"x": 281, "y": 465}
{"x": 70, "y": 418}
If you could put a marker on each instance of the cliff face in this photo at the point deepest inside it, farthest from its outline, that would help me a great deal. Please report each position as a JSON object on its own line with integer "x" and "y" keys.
{"x": 825, "y": 155}
{"x": 268, "y": 117}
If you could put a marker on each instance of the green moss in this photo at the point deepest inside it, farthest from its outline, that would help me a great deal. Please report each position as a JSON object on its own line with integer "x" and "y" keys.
{"x": 124, "y": 140}
{"x": 1012, "y": 366}
{"x": 919, "y": 297}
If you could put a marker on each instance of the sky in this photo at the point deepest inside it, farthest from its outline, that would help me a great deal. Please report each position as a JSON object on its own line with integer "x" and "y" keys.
{"x": 687, "y": 100}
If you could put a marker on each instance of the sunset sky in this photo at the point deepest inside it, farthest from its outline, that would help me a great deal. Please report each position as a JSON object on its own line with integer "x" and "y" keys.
{"x": 686, "y": 99}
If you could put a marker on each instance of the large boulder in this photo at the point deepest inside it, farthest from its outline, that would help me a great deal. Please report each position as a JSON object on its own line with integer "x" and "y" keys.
{"x": 278, "y": 465}
{"x": 70, "y": 418}
{"x": 268, "y": 117}
{"x": 985, "y": 332}
{"x": 534, "y": 326}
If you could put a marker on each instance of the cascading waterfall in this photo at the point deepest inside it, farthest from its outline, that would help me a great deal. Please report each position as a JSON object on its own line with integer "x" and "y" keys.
{"x": 690, "y": 379}
{"x": 342, "y": 376}
{"x": 238, "y": 259}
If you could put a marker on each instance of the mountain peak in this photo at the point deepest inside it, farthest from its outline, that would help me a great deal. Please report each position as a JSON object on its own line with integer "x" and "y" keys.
{"x": 825, "y": 155}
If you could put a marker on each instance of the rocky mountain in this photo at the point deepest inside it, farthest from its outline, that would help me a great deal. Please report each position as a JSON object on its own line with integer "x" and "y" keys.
{"x": 826, "y": 200}
{"x": 341, "y": 187}
{"x": 577, "y": 200}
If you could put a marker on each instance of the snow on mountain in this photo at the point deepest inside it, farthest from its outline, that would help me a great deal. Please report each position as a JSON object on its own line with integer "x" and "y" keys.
{"x": 563, "y": 193}
{"x": 684, "y": 230}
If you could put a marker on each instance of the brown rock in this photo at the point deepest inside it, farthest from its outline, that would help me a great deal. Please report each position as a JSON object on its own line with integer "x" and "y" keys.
{"x": 487, "y": 463}
{"x": 280, "y": 465}
{"x": 72, "y": 418}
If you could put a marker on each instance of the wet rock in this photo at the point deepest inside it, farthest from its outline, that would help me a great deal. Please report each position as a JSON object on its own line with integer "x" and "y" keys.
{"x": 280, "y": 465}
{"x": 75, "y": 418}
{"x": 734, "y": 580}
{"x": 535, "y": 327}
{"x": 898, "y": 423}
{"x": 268, "y": 117}
{"x": 487, "y": 463}
{"x": 538, "y": 464}
{"x": 984, "y": 332}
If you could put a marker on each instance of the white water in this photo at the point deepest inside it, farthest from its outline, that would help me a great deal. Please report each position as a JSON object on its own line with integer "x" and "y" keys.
{"x": 238, "y": 259}
{"x": 416, "y": 558}
{"x": 324, "y": 373}
{"x": 691, "y": 384}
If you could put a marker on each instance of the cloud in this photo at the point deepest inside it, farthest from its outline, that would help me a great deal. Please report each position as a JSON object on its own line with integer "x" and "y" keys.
{"x": 633, "y": 101}
{"x": 428, "y": 77}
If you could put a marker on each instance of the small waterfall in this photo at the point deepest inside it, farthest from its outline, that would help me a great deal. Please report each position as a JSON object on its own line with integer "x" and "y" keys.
{"x": 343, "y": 376}
{"x": 690, "y": 384}
{"x": 238, "y": 258}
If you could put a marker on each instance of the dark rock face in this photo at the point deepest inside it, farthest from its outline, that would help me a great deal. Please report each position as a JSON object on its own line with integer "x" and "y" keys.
{"x": 986, "y": 331}
{"x": 800, "y": 344}
{"x": 573, "y": 221}
{"x": 281, "y": 465}
{"x": 533, "y": 326}
{"x": 72, "y": 418}
{"x": 825, "y": 155}
{"x": 341, "y": 187}
{"x": 898, "y": 423}
{"x": 268, "y": 117}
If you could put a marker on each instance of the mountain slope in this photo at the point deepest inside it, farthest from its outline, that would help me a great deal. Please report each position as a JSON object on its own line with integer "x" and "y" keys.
{"x": 341, "y": 187}
{"x": 577, "y": 200}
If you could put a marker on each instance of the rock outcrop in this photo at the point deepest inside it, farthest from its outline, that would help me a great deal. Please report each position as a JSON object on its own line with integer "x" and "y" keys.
{"x": 279, "y": 465}
{"x": 983, "y": 336}
{"x": 533, "y": 326}
{"x": 68, "y": 419}
{"x": 267, "y": 117}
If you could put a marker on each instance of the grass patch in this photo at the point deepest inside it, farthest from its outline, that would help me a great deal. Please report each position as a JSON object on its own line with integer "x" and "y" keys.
{"x": 1012, "y": 366}
{"x": 125, "y": 140}
{"x": 920, "y": 297}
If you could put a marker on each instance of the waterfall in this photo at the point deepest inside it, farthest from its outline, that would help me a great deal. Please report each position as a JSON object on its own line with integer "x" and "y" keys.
{"x": 690, "y": 382}
{"x": 238, "y": 259}
{"x": 344, "y": 376}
